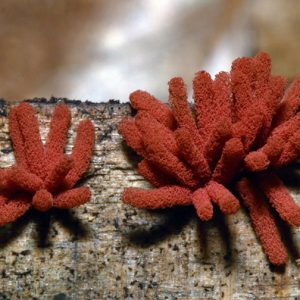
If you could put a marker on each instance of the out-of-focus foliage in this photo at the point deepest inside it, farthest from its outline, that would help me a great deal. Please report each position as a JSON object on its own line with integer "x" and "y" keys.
{"x": 98, "y": 50}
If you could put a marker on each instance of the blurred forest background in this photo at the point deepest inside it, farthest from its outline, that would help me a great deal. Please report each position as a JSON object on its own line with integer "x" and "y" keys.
{"x": 99, "y": 50}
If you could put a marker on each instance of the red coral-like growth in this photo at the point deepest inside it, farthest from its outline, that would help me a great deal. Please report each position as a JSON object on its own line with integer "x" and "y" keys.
{"x": 44, "y": 176}
{"x": 244, "y": 122}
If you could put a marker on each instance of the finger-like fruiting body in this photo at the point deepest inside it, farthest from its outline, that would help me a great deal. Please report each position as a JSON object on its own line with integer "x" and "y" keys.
{"x": 82, "y": 151}
{"x": 278, "y": 85}
{"x": 202, "y": 203}
{"x": 132, "y": 135}
{"x": 5, "y": 184}
{"x": 42, "y": 200}
{"x": 12, "y": 209}
{"x": 72, "y": 198}
{"x": 290, "y": 151}
{"x": 153, "y": 174}
{"x": 290, "y": 103}
{"x": 168, "y": 162}
{"x": 230, "y": 161}
{"x": 57, "y": 136}
{"x": 193, "y": 156}
{"x": 257, "y": 161}
{"x": 34, "y": 149}
{"x": 281, "y": 147}
{"x": 143, "y": 101}
{"x": 181, "y": 110}
{"x": 162, "y": 133}
{"x": 248, "y": 127}
{"x": 222, "y": 197}
{"x": 43, "y": 175}
{"x": 263, "y": 222}
{"x": 279, "y": 197}
{"x": 17, "y": 138}
{"x": 242, "y": 122}
{"x": 180, "y": 106}
{"x": 216, "y": 141}
{"x": 211, "y": 101}
{"x": 268, "y": 104}
{"x": 163, "y": 197}
{"x": 203, "y": 97}
{"x": 241, "y": 77}
{"x": 22, "y": 179}
{"x": 59, "y": 171}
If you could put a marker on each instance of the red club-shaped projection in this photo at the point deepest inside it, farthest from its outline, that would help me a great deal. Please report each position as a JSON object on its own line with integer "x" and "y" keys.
{"x": 43, "y": 176}
{"x": 242, "y": 127}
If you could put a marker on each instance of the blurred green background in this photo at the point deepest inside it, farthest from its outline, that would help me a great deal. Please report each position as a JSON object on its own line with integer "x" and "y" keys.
{"x": 101, "y": 50}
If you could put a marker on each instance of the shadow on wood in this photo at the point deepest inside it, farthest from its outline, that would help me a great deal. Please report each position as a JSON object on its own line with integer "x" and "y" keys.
{"x": 173, "y": 221}
{"x": 43, "y": 221}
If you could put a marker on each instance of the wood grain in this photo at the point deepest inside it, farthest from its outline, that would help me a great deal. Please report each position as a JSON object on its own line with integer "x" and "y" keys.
{"x": 107, "y": 250}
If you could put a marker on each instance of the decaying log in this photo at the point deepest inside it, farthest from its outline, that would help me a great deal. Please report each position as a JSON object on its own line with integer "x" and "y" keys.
{"x": 108, "y": 250}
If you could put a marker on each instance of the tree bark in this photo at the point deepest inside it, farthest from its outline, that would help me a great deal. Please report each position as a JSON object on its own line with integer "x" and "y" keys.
{"x": 108, "y": 250}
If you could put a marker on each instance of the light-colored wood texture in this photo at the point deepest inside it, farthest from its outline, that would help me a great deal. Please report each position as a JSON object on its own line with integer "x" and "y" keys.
{"x": 107, "y": 250}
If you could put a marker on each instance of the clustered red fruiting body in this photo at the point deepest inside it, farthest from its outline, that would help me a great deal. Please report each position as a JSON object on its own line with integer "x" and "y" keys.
{"x": 43, "y": 176}
{"x": 244, "y": 122}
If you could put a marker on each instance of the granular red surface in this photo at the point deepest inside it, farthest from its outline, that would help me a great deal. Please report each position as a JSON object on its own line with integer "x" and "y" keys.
{"x": 244, "y": 122}
{"x": 44, "y": 176}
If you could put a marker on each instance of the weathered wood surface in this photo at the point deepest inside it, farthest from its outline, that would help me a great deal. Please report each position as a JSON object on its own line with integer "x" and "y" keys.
{"x": 107, "y": 250}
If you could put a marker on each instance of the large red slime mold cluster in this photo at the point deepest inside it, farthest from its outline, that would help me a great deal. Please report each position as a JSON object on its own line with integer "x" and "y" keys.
{"x": 244, "y": 122}
{"x": 43, "y": 176}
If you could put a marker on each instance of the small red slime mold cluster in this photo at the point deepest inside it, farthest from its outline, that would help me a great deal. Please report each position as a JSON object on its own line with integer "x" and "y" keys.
{"x": 244, "y": 122}
{"x": 43, "y": 176}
